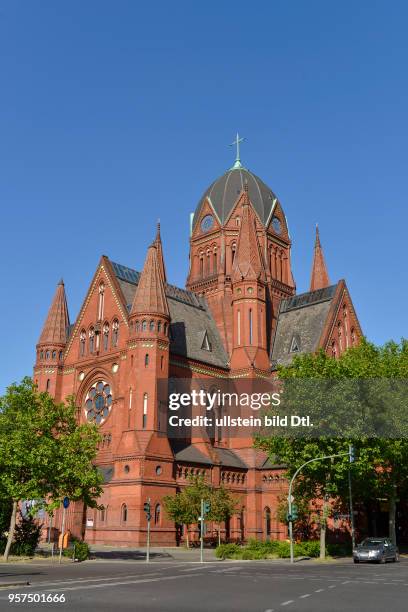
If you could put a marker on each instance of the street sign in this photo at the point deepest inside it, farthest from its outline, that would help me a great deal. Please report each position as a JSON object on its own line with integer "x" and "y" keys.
{"x": 65, "y": 502}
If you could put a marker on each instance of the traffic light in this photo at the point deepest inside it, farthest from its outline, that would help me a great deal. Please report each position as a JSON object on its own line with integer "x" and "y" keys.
{"x": 294, "y": 514}
{"x": 206, "y": 507}
{"x": 146, "y": 508}
{"x": 352, "y": 457}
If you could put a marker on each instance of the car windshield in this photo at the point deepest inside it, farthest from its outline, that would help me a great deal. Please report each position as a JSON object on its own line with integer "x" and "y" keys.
{"x": 372, "y": 543}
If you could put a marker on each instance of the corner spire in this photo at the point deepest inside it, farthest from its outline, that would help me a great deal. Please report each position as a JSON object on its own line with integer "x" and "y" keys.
{"x": 248, "y": 260}
{"x": 150, "y": 296}
{"x": 158, "y": 244}
{"x": 57, "y": 321}
{"x": 320, "y": 277}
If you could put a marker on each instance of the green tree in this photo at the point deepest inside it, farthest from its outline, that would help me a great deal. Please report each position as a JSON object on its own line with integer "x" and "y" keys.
{"x": 357, "y": 399}
{"x": 222, "y": 506}
{"x": 44, "y": 453}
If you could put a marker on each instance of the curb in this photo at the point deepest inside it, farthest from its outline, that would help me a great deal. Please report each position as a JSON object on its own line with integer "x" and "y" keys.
{"x": 13, "y": 584}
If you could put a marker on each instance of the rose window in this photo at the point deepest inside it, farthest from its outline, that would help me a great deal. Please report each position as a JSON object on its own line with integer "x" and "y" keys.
{"x": 98, "y": 402}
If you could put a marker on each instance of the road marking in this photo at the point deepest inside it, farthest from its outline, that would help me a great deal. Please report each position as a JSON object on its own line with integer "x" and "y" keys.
{"x": 319, "y": 590}
{"x": 269, "y": 610}
{"x": 112, "y": 584}
{"x": 332, "y": 586}
{"x": 286, "y": 603}
{"x": 304, "y": 596}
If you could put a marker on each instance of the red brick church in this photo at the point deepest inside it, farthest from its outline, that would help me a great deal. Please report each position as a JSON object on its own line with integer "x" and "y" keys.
{"x": 239, "y": 316}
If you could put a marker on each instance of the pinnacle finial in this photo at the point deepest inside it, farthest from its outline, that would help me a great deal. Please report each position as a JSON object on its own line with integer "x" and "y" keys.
{"x": 236, "y": 143}
{"x": 61, "y": 281}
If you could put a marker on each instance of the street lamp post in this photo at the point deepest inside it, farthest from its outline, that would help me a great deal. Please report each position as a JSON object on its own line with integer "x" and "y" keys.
{"x": 290, "y": 498}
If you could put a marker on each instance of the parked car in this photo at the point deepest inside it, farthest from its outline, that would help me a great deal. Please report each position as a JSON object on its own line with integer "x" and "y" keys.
{"x": 379, "y": 550}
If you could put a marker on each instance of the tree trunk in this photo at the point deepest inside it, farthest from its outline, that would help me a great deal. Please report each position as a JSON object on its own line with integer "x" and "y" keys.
{"x": 187, "y": 540}
{"x": 391, "y": 516}
{"x": 323, "y": 523}
{"x": 219, "y": 535}
{"x": 12, "y": 527}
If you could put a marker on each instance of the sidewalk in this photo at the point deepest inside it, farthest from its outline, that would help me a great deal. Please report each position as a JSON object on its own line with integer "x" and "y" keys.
{"x": 181, "y": 554}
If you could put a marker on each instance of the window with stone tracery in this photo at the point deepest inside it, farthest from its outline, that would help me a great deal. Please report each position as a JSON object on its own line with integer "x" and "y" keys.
{"x": 115, "y": 332}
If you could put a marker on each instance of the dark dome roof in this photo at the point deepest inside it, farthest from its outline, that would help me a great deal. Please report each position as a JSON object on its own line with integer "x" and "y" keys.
{"x": 224, "y": 191}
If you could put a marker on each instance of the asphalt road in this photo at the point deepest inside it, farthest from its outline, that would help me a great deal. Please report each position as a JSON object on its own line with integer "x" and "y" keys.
{"x": 213, "y": 587}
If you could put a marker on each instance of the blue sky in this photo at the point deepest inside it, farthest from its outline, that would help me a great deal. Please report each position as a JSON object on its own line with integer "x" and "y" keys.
{"x": 114, "y": 114}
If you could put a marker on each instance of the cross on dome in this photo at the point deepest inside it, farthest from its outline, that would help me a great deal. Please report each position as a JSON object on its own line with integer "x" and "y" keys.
{"x": 236, "y": 143}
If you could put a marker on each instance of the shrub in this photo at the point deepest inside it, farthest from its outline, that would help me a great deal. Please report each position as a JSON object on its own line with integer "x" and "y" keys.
{"x": 227, "y": 551}
{"x": 248, "y": 554}
{"x": 79, "y": 550}
{"x": 310, "y": 548}
{"x": 26, "y": 536}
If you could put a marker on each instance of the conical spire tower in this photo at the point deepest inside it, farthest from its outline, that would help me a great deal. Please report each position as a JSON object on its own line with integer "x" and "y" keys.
{"x": 320, "y": 277}
{"x": 150, "y": 296}
{"x": 57, "y": 322}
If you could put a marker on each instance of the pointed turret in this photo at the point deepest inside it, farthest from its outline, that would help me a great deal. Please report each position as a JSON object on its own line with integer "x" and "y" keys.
{"x": 158, "y": 244}
{"x": 320, "y": 276}
{"x": 56, "y": 324}
{"x": 150, "y": 296}
{"x": 248, "y": 262}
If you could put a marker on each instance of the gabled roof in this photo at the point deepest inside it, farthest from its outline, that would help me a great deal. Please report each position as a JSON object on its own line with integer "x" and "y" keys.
{"x": 304, "y": 317}
{"x": 55, "y": 330}
{"x": 190, "y": 319}
{"x": 248, "y": 262}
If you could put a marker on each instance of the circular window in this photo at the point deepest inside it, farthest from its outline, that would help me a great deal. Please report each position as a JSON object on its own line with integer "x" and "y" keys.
{"x": 276, "y": 224}
{"x": 207, "y": 223}
{"x": 250, "y": 290}
{"x": 98, "y": 402}
{"x": 159, "y": 470}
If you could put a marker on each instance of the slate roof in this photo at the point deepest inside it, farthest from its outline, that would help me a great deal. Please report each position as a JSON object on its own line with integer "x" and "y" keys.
{"x": 302, "y": 317}
{"x": 224, "y": 192}
{"x": 226, "y": 457}
{"x": 190, "y": 319}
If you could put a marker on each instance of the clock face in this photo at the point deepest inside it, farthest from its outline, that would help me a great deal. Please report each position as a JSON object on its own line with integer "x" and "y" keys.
{"x": 276, "y": 224}
{"x": 207, "y": 223}
{"x": 98, "y": 402}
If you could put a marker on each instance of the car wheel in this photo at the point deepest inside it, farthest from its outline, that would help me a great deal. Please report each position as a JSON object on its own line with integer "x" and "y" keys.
{"x": 396, "y": 558}
{"x": 383, "y": 559}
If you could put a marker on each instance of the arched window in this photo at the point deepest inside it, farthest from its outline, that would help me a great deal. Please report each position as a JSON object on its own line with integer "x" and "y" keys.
{"x": 157, "y": 511}
{"x": 159, "y": 326}
{"x": 334, "y": 349}
{"x": 267, "y": 522}
{"x": 151, "y": 326}
{"x": 54, "y": 354}
{"x": 237, "y": 221}
{"x": 146, "y": 360}
{"x": 106, "y": 336}
{"x": 115, "y": 332}
{"x": 353, "y": 336}
{"x": 103, "y": 514}
{"x": 165, "y": 329}
{"x": 144, "y": 422}
{"x": 161, "y": 362}
{"x": 239, "y": 327}
{"x": 47, "y": 354}
{"x": 82, "y": 340}
{"x": 91, "y": 340}
{"x": 215, "y": 261}
{"x": 60, "y": 355}
{"x": 233, "y": 249}
{"x": 42, "y": 355}
{"x": 201, "y": 265}
{"x": 101, "y": 301}
{"x": 124, "y": 513}
{"x": 144, "y": 325}
{"x": 250, "y": 326}
{"x": 47, "y": 387}
{"x": 340, "y": 336}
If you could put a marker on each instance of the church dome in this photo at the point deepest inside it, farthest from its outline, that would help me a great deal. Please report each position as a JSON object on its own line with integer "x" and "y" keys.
{"x": 224, "y": 191}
